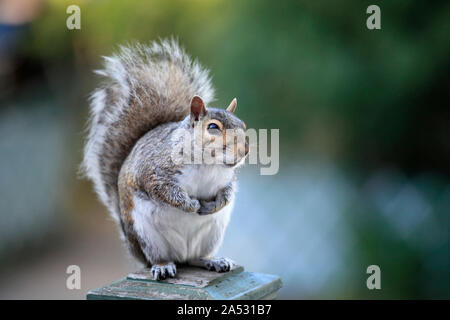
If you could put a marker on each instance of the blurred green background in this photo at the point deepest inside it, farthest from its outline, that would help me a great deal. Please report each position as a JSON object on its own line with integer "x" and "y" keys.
{"x": 364, "y": 125}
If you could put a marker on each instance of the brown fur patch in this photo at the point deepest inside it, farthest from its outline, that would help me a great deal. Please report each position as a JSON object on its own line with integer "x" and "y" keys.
{"x": 126, "y": 185}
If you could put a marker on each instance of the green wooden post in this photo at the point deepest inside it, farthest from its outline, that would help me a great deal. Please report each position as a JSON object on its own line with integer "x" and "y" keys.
{"x": 192, "y": 283}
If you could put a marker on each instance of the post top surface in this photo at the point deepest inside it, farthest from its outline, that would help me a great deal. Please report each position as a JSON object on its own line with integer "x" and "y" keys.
{"x": 192, "y": 283}
{"x": 188, "y": 276}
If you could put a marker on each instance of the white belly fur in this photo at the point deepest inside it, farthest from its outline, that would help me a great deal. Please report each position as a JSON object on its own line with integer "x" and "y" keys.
{"x": 178, "y": 236}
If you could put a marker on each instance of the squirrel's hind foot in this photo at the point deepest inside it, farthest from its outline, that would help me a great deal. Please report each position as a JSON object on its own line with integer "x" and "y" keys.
{"x": 214, "y": 264}
{"x": 161, "y": 271}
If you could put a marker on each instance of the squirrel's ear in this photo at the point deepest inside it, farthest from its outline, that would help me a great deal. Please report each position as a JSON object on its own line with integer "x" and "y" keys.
{"x": 232, "y": 106}
{"x": 197, "y": 107}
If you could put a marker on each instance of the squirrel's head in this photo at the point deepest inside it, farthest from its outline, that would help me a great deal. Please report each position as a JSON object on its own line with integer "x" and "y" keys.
{"x": 219, "y": 132}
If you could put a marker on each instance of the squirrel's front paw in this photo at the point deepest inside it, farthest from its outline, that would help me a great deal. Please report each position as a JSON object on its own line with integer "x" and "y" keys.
{"x": 193, "y": 206}
{"x": 207, "y": 207}
{"x": 221, "y": 200}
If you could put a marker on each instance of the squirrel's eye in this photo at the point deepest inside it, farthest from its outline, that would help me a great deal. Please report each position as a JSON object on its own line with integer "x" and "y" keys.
{"x": 213, "y": 126}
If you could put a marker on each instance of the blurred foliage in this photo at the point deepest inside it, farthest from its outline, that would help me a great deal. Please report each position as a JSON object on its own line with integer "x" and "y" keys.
{"x": 310, "y": 68}
{"x": 402, "y": 225}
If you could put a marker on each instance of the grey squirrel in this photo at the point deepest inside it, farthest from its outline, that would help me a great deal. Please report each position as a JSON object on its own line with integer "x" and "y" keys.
{"x": 169, "y": 212}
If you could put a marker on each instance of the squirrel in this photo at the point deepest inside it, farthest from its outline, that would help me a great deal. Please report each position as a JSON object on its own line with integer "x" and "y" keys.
{"x": 169, "y": 212}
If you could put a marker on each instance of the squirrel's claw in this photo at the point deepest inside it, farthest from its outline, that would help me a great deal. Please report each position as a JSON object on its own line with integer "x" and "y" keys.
{"x": 162, "y": 271}
{"x": 210, "y": 207}
{"x": 207, "y": 207}
{"x": 193, "y": 206}
{"x": 218, "y": 264}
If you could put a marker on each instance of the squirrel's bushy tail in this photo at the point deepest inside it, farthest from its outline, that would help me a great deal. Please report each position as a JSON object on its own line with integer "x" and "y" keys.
{"x": 145, "y": 86}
